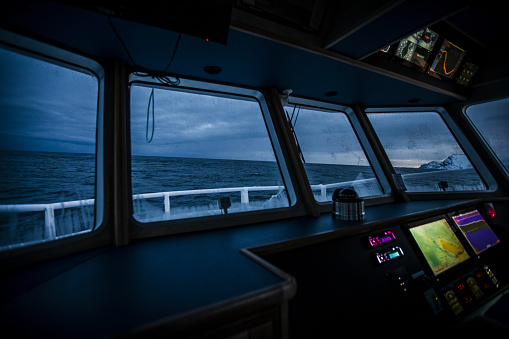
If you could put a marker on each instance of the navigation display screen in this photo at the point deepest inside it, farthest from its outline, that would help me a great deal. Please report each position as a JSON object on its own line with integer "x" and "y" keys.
{"x": 439, "y": 245}
{"x": 417, "y": 47}
{"x": 448, "y": 59}
{"x": 476, "y": 230}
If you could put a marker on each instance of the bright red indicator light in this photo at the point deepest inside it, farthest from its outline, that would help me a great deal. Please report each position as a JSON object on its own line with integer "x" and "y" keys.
{"x": 490, "y": 210}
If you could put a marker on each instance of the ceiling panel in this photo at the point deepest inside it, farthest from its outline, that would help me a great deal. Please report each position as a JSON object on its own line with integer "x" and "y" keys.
{"x": 399, "y": 21}
{"x": 246, "y": 59}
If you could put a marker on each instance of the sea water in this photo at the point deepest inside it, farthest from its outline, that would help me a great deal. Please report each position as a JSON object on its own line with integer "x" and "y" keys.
{"x": 46, "y": 177}
{"x": 28, "y": 178}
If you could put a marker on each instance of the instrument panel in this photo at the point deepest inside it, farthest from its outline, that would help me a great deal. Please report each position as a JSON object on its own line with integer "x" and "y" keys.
{"x": 455, "y": 277}
{"x": 430, "y": 274}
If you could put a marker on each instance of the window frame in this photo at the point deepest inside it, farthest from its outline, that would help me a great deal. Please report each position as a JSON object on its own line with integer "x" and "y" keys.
{"x": 463, "y": 143}
{"x": 97, "y": 236}
{"x": 479, "y": 136}
{"x": 162, "y": 227}
{"x": 364, "y": 143}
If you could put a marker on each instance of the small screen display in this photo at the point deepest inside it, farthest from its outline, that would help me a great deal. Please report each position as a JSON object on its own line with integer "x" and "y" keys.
{"x": 393, "y": 255}
{"x": 381, "y": 238}
{"x": 476, "y": 230}
{"x": 417, "y": 47}
{"x": 448, "y": 59}
{"x": 439, "y": 245}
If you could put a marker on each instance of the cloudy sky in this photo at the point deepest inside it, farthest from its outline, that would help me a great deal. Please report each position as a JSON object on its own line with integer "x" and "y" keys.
{"x": 45, "y": 107}
{"x": 411, "y": 139}
{"x": 494, "y": 126}
{"x": 49, "y": 108}
{"x": 196, "y": 125}
{"x": 327, "y": 137}
{"x": 414, "y": 138}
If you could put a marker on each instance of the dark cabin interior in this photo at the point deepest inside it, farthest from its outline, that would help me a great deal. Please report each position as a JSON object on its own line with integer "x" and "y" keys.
{"x": 296, "y": 272}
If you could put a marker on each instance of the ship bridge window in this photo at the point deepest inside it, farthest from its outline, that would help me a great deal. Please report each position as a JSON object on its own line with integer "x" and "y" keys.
{"x": 423, "y": 150}
{"x": 331, "y": 153}
{"x": 491, "y": 120}
{"x": 198, "y": 153}
{"x": 48, "y": 118}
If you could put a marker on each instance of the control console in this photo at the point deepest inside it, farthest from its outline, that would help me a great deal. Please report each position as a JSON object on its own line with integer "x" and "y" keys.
{"x": 444, "y": 272}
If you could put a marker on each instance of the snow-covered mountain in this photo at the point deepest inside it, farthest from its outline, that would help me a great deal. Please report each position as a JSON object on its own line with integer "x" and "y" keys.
{"x": 455, "y": 161}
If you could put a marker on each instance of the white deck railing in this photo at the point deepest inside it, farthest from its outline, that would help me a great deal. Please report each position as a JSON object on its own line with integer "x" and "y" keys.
{"x": 49, "y": 209}
{"x": 49, "y": 212}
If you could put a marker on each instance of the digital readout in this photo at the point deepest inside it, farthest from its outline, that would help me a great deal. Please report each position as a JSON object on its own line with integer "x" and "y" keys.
{"x": 393, "y": 253}
{"x": 381, "y": 238}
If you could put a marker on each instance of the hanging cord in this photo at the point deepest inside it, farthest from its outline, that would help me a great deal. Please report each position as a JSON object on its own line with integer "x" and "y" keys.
{"x": 292, "y": 127}
{"x": 160, "y": 76}
{"x": 150, "y": 101}
{"x": 173, "y": 54}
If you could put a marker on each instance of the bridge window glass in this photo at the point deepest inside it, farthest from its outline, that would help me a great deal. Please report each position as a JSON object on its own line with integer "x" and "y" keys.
{"x": 196, "y": 154}
{"x": 331, "y": 153}
{"x": 422, "y": 149}
{"x": 491, "y": 120}
{"x": 48, "y": 117}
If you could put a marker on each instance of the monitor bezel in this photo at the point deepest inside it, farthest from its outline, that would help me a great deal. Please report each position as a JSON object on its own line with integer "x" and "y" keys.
{"x": 451, "y": 271}
{"x": 464, "y": 237}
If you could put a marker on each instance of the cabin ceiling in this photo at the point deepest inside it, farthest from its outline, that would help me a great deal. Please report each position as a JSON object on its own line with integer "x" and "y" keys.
{"x": 315, "y": 47}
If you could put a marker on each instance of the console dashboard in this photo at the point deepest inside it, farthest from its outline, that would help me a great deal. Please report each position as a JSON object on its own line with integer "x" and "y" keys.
{"x": 440, "y": 273}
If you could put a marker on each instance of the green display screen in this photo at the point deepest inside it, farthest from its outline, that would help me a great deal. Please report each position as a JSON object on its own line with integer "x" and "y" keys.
{"x": 439, "y": 245}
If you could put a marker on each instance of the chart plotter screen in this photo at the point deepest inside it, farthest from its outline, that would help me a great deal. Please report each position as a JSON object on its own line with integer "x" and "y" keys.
{"x": 439, "y": 245}
{"x": 448, "y": 59}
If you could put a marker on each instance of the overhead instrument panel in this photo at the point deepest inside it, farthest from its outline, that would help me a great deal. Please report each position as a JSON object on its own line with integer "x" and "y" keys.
{"x": 439, "y": 52}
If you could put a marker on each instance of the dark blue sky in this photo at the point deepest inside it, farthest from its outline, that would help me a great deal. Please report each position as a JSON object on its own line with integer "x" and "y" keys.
{"x": 198, "y": 126}
{"x": 45, "y": 107}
